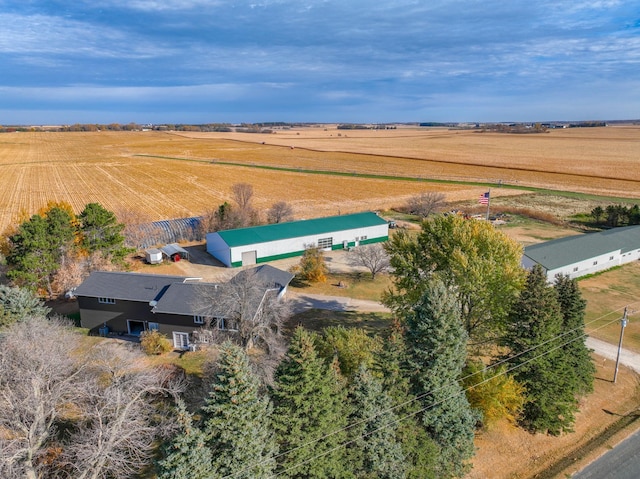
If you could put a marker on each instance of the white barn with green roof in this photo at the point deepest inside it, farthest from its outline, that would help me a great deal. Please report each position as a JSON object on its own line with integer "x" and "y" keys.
{"x": 580, "y": 255}
{"x": 259, "y": 244}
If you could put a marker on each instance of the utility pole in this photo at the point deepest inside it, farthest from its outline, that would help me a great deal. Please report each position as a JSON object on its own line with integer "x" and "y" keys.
{"x": 623, "y": 324}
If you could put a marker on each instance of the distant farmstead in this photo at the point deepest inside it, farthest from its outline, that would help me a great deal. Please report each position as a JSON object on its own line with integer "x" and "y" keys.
{"x": 580, "y": 255}
{"x": 247, "y": 246}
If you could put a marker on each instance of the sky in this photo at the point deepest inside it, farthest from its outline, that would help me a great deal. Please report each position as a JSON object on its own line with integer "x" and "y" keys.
{"x": 360, "y": 61}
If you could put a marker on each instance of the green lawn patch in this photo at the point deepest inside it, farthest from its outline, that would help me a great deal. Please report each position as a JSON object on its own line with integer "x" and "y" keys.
{"x": 358, "y": 285}
{"x": 318, "y": 319}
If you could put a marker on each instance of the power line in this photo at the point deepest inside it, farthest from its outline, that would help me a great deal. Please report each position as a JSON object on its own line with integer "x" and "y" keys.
{"x": 422, "y": 395}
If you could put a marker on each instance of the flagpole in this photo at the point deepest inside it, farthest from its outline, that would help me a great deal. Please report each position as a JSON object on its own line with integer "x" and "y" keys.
{"x": 488, "y": 202}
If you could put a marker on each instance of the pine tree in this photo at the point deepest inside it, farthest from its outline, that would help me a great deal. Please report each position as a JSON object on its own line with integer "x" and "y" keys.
{"x": 580, "y": 367}
{"x": 237, "y": 420}
{"x": 375, "y": 451}
{"x": 102, "y": 232}
{"x": 310, "y": 413}
{"x": 31, "y": 256}
{"x": 419, "y": 450}
{"x": 187, "y": 455}
{"x": 537, "y": 360}
{"x": 436, "y": 341}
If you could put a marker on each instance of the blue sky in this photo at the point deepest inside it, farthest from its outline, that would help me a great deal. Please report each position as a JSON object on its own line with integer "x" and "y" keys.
{"x": 199, "y": 61}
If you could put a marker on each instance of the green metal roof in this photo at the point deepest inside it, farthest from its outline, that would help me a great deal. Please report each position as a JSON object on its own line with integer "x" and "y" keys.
{"x": 572, "y": 249}
{"x": 293, "y": 229}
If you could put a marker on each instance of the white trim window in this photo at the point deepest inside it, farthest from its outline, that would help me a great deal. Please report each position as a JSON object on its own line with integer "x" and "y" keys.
{"x": 198, "y": 319}
{"x": 107, "y": 300}
{"x": 180, "y": 340}
{"x": 325, "y": 243}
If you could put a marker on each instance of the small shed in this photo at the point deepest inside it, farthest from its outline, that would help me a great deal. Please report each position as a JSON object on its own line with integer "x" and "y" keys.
{"x": 153, "y": 256}
{"x": 175, "y": 252}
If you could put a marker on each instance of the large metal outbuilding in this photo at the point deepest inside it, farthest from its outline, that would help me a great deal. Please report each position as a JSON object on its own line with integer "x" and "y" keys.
{"x": 580, "y": 255}
{"x": 247, "y": 246}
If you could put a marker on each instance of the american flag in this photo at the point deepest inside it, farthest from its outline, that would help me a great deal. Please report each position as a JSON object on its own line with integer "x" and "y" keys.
{"x": 484, "y": 198}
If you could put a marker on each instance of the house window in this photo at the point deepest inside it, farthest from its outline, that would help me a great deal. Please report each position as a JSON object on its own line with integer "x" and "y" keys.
{"x": 362, "y": 238}
{"x": 575, "y": 269}
{"x": 225, "y": 324}
{"x": 595, "y": 263}
{"x": 198, "y": 319}
{"x": 107, "y": 300}
{"x": 180, "y": 340}
{"x": 610, "y": 258}
{"x": 325, "y": 243}
{"x": 153, "y": 326}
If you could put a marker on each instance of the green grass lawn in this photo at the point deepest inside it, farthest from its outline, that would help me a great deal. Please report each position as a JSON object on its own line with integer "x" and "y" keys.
{"x": 354, "y": 285}
{"x": 607, "y": 294}
{"x": 317, "y": 320}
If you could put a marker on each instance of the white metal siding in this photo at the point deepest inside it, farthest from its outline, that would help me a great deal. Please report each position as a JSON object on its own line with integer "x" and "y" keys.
{"x": 217, "y": 248}
{"x": 290, "y": 245}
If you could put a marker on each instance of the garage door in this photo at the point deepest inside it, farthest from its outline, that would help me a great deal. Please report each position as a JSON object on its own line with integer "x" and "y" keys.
{"x": 249, "y": 258}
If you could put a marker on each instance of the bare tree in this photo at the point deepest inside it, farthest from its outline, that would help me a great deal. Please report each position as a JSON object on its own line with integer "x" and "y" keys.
{"x": 75, "y": 268}
{"x": 426, "y": 203}
{"x": 373, "y": 257}
{"x": 40, "y": 381}
{"x": 107, "y": 398}
{"x": 122, "y": 415}
{"x": 280, "y": 212}
{"x": 242, "y": 195}
{"x": 249, "y": 309}
{"x": 139, "y": 230}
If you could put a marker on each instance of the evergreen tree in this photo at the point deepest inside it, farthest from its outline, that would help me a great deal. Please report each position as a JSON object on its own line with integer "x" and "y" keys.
{"x": 17, "y": 304}
{"x": 375, "y": 451}
{"x": 537, "y": 360}
{"x": 419, "y": 450}
{"x": 436, "y": 341}
{"x": 62, "y": 232}
{"x": 580, "y": 367}
{"x": 187, "y": 455}
{"x": 32, "y": 255}
{"x": 237, "y": 420}
{"x": 102, "y": 232}
{"x": 310, "y": 413}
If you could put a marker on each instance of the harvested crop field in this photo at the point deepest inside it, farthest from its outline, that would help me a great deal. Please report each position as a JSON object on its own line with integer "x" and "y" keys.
{"x": 162, "y": 175}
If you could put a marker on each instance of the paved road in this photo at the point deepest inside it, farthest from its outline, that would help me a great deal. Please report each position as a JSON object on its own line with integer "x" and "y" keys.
{"x": 622, "y": 462}
{"x": 610, "y": 351}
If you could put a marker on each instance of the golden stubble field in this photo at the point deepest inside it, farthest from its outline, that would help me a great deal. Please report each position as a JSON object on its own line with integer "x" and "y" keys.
{"x": 167, "y": 175}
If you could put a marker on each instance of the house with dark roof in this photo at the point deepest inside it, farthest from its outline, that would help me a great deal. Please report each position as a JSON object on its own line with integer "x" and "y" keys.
{"x": 259, "y": 244}
{"x": 584, "y": 254}
{"x": 130, "y": 303}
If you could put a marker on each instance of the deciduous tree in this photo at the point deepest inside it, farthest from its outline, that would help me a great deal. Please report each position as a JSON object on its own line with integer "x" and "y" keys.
{"x": 373, "y": 257}
{"x": 352, "y": 348}
{"x": 312, "y": 266}
{"x": 426, "y": 203}
{"x": 280, "y": 212}
{"x": 478, "y": 263}
{"x": 493, "y": 392}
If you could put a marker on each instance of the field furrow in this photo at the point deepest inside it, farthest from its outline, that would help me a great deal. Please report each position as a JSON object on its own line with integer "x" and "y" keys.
{"x": 169, "y": 175}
